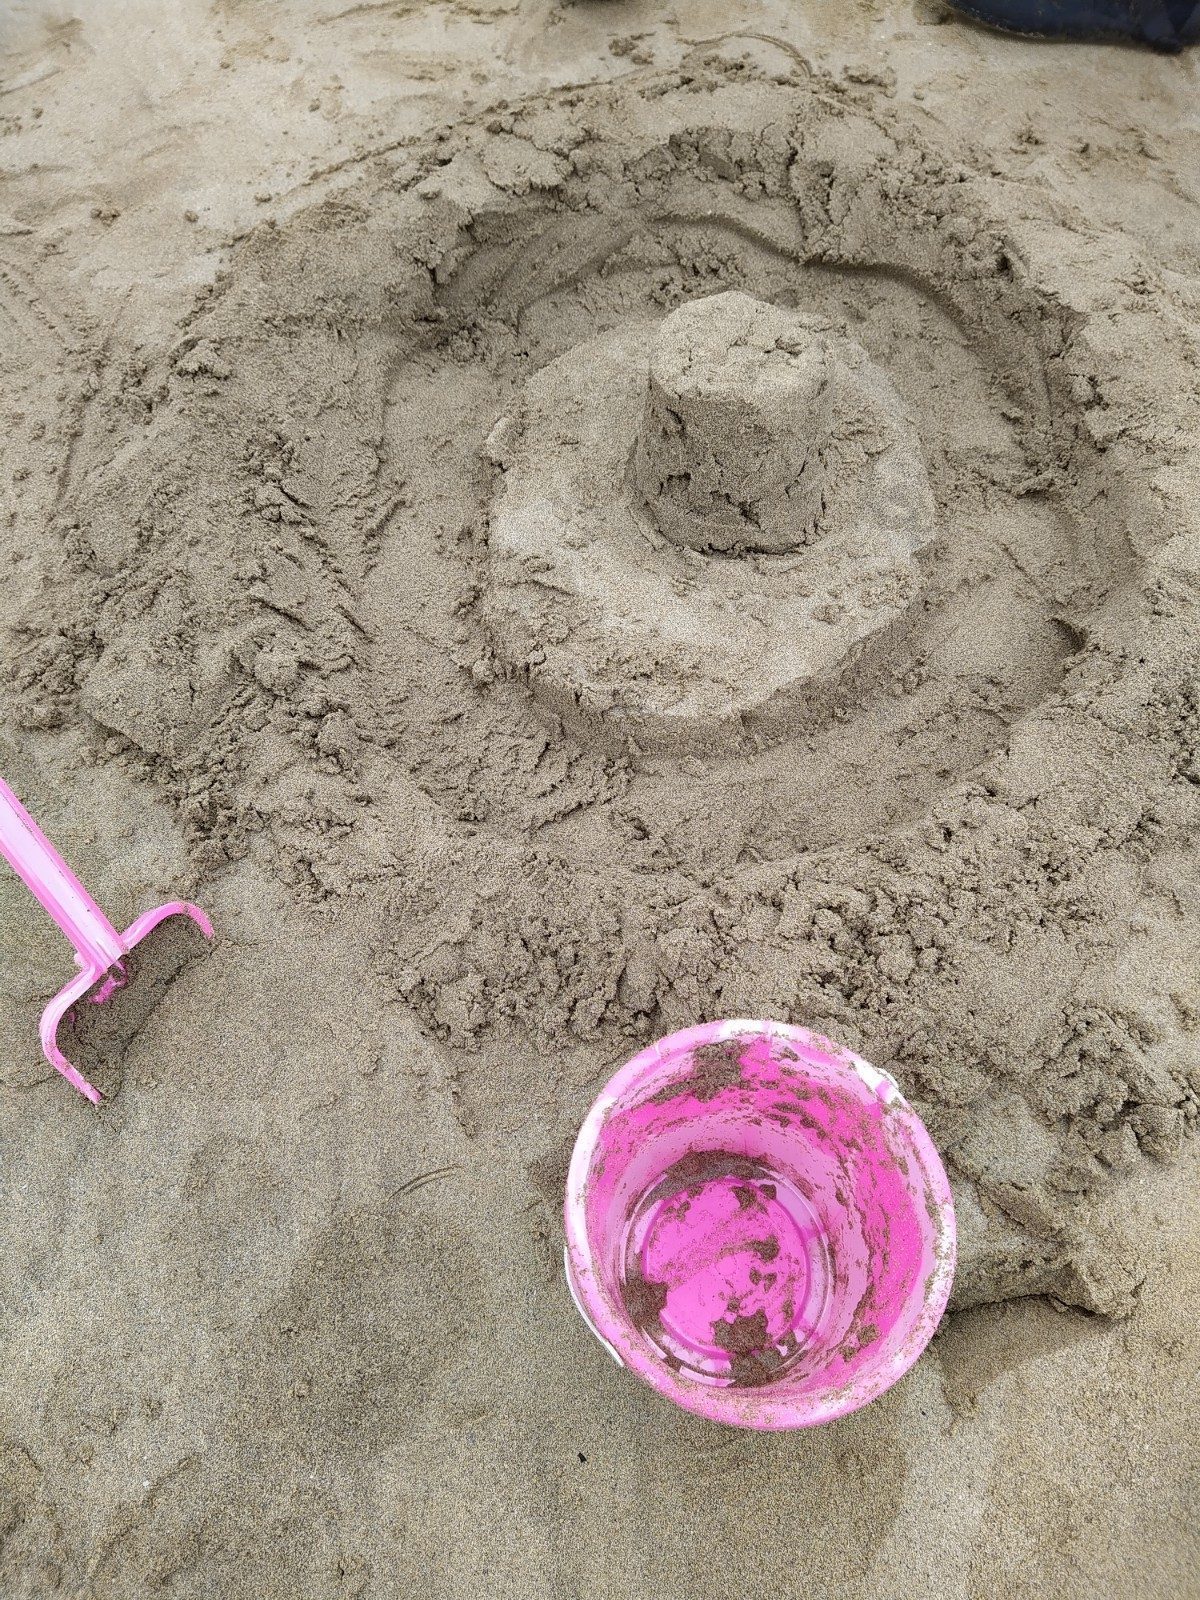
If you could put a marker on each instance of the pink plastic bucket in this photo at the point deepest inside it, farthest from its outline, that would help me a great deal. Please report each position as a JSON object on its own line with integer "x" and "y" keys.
{"x": 758, "y": 1225}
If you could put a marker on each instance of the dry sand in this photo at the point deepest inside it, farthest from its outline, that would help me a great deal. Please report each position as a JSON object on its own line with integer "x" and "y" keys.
{"x": 283, "y": 293}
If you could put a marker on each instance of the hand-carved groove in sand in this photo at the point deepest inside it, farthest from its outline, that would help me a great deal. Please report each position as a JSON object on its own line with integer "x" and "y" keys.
{"x": 43, "y": 419}
{"x": 946, "y": 729}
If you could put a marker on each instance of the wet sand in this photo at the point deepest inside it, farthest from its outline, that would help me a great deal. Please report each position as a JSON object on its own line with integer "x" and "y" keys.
{"x": 286, "y": 1317}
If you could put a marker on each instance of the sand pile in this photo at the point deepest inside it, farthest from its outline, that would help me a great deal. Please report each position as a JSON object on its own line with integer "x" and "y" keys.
{"x": 705, "y": 526}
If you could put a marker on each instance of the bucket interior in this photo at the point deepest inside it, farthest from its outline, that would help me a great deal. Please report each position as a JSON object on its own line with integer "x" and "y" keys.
{"x": 761, "y": 1213}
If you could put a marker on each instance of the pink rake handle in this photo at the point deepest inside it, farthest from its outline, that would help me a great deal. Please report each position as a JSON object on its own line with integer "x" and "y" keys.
{"x": 99, "y": 948}
{"x": 55, "y": 887}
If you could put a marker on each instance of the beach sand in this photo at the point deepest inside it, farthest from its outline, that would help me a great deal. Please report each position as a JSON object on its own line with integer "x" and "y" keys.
{"x": 305, "y": 314}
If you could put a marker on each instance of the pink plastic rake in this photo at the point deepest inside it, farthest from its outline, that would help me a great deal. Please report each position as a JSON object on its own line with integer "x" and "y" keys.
{"x": 100, "y": 951}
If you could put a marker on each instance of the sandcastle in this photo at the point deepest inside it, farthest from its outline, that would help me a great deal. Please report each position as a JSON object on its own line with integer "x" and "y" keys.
{"x": 702, "y": 524}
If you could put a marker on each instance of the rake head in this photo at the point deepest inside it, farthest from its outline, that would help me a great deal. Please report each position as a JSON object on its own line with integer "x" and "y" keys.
{"x": 95, "y": 984}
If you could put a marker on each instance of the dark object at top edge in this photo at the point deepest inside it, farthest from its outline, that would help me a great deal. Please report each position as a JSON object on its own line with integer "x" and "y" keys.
{"x": 1165, "y": 24}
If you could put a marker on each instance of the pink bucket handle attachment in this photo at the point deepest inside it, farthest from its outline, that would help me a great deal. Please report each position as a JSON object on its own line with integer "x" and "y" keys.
{"x": 100, "y": 951}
